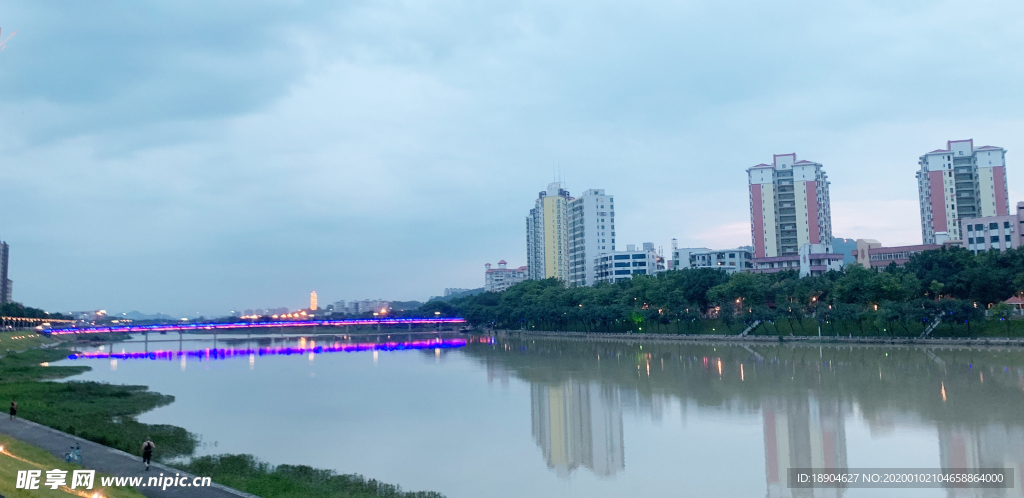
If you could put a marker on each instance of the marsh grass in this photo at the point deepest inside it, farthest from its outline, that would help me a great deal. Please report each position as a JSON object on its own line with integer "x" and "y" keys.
{"x": 104, "y": 413}
{"x": 246, "y": 473}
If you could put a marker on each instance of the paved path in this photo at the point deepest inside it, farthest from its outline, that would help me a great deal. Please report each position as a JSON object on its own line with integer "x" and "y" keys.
{"x": 109, "y": 460}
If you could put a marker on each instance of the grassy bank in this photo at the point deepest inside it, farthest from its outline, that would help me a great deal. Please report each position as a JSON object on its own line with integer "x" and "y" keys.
{"x": 246, "y": 473}
{"x": 20, "y": 340}
{"x": 104, "y": 413}
{"x": 20, "y": 456}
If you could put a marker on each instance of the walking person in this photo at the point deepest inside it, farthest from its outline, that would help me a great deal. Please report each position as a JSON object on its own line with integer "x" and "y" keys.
{"x": 147, "y": 452}
{"x": 14, "y": 409}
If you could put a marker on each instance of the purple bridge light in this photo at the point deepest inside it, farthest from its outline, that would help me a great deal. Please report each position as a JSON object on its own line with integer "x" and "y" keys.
{"x": 337, "y": 347}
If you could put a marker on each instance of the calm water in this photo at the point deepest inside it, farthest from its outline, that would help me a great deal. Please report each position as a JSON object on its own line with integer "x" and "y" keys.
{"x": 556, "y": 418}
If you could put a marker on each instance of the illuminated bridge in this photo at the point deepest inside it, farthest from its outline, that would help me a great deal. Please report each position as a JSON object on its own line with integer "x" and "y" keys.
{"x": 207, "y": 354}
{"x": 252, "y": 326}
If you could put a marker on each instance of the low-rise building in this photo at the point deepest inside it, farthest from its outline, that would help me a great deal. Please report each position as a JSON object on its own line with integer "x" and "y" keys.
{"x": 730, "y": 260}
{"x": 871, "y": 254}
{"x": 501, "y": 278}
{"x": 360, "y": 307}
{"x": 810, "y": 260}
{"x": 681, "y": 255}
{"x": 993, "y": 233}
{"x": 622, "y": 265}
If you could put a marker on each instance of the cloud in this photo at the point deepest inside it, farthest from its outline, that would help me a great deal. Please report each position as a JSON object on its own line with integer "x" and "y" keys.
{"x": 203, "y": 157}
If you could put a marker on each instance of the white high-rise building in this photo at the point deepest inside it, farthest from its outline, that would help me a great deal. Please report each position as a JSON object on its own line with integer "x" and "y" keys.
{"x": 547, "y": 235}
{"x": 960, "y": 182}
{"x": 789, "y": 206}
{"x": 591, "y": 233}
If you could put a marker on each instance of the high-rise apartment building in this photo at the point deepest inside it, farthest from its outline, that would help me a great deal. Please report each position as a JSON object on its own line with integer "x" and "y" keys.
{"x": 547, "y": 235}
{"x": 789, "y": 206}
{"x": 959, "y": 182}
{"x": 591, "y": 233}
{"x": 6, "y": 285}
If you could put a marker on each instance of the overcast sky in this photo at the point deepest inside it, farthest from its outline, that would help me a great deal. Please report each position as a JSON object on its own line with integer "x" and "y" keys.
{"x": 202, "y": 157}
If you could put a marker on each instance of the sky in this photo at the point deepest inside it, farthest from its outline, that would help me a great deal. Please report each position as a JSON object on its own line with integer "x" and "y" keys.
{"x": 201, "y": 157}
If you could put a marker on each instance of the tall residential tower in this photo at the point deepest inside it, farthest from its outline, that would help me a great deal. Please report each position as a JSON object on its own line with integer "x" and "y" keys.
{"x": 789, "y": 207}
{"x": 5, "y": 283}
{"x": 959, "y": 182}
{"x": 547, "y": 235}
{"x": 591, "y": 233}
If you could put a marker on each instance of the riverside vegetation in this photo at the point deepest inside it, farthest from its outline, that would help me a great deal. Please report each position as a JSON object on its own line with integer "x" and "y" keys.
{"x": 963, "y": 289}
{"x": 105, "y": 413}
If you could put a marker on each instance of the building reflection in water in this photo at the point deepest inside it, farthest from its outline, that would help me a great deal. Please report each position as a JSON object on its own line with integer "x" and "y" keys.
{"x": 991, "y": 446}
{"x": 577, "y": 420}
{"x": 578, "y": 424}
{"x": 802, "y": 433}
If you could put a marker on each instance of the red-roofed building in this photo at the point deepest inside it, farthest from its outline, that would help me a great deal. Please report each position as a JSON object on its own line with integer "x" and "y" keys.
{"x": 871, "y": 254}
{"x": 501, "y": 278}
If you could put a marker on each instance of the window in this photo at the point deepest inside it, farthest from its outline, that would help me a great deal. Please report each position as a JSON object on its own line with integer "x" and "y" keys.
{"x": 621, "y": 256}
{"x": 639, "y": 256}
{"x": 995, "y": 239}
{"x": 970, "y": 228}
{"x": 622, "y": 272}
{"x": 970, "y": 240}
{"x": 978, "y": 227}
{"x": 1007, "y": 237}
{"x": 1006, "y": 224}
{"x": 993, "y": 226}
{"x": 639, "y": 272}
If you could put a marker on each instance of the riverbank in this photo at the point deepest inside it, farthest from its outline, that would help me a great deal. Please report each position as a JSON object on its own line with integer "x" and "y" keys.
{"x": 105, "y": 414}
{"x": 762, "y": 339}
{"x": 17, "y": 455}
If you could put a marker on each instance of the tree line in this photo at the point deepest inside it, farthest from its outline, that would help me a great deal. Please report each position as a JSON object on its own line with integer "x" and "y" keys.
{"x": 952, "y": 283}
{"x": 21, "y": 311}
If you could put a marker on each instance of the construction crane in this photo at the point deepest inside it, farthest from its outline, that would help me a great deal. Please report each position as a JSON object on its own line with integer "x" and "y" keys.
{"x": 3, "y": 41}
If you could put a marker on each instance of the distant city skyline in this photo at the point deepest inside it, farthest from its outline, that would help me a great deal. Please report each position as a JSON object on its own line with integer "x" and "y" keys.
{"x": 195, "y": 160}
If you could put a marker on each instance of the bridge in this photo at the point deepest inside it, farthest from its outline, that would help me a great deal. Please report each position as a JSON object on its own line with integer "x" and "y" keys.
{"x": 244, "y": 327}
{"x": 216, "y": 353}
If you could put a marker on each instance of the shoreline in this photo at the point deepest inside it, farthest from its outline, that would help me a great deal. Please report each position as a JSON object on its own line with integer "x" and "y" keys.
{"x": 943, "y": 342}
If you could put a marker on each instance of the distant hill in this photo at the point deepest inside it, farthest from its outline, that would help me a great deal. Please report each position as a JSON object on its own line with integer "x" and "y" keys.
{"x": 844, "y": 247}
{"x": 471, "y": 292}
{"x": 138, "y": 315}
{"x": 405, "y": 305}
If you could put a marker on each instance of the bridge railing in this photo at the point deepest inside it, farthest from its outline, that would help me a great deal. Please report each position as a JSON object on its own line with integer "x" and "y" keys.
{"x": 194, "y": 327}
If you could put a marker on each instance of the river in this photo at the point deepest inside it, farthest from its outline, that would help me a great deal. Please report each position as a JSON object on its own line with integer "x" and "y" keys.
{"x": 532, "y": 417}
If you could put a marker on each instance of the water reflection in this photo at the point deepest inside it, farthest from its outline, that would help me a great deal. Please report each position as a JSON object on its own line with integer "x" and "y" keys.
{"x": 578, "y": 424}
{"x": 991, "y": 446}
{"x": 971, "y": 399}
{"x": 803, "y": 433}
{"x": 689, "y": 419}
